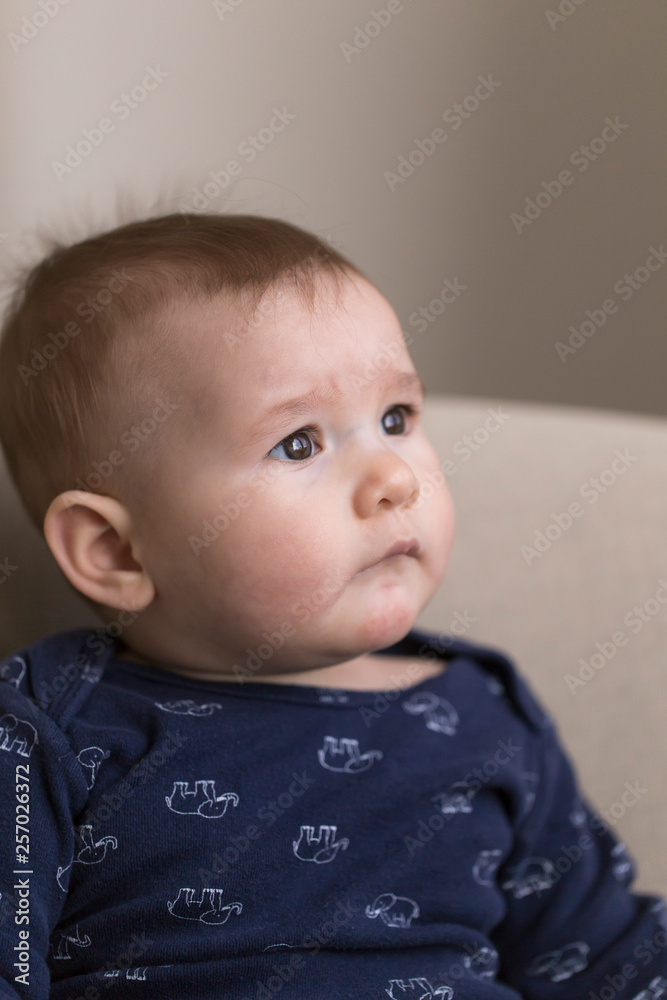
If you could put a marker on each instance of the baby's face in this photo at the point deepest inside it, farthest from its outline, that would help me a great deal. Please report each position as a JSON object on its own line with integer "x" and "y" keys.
{"x": 275, "y": 527}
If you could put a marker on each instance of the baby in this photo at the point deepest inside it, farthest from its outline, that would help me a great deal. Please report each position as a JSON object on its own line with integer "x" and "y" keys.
{"x": 259, "y": 779}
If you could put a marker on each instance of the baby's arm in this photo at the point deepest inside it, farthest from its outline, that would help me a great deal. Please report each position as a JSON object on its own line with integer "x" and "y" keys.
{"x": 41, "y": 786}
{"x": 572, "y": 926}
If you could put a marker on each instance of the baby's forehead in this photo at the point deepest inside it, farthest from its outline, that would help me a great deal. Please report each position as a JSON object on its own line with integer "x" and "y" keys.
{"x": 242, "y": 364}
{"x": 250, "y": 341}
{"x": 260, "y": 321}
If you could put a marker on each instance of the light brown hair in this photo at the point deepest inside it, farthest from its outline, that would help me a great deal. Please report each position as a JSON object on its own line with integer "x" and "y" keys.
{"x": 69, "y": 385}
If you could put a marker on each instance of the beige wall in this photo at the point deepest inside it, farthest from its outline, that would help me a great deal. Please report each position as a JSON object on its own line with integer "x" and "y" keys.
{"x": 225, "y": 66}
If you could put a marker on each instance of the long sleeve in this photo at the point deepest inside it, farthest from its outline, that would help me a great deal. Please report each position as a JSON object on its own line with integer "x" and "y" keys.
{"x": 431, "y": 843}
{"x": 41, "y": 788}
{"x": 573, "y": 929}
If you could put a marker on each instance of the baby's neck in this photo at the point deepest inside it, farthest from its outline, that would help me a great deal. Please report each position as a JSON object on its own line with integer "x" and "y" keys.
{"x": 368, "y": 672}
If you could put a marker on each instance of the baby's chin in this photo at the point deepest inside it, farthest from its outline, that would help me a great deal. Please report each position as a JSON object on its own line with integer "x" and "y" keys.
{"x": 385, "y": 627}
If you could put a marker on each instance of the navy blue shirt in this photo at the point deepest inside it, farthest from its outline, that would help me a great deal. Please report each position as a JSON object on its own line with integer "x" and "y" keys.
{"x": 167, "y": 837}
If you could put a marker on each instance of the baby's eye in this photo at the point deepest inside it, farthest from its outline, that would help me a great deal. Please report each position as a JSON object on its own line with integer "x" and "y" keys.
{"x": 298, "y": 446}
{"x": 394, "y": 420}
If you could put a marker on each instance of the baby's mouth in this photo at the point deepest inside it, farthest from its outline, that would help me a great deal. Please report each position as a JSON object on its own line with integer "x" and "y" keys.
{"x": 407, "y": 547}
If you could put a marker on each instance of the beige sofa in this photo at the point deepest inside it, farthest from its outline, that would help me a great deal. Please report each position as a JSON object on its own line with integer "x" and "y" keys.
{"x": 560, "y": 560}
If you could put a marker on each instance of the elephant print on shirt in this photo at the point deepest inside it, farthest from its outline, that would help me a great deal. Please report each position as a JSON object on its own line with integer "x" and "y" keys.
{"x": 17, "y": 734}
{"x": 13, "y": 670}
{"x": 456, "y": 799}
{"x": 418, "y": 989}
{"x": 138, "y": 973}
{"x": 655, "y": 989}
{"x": 562, "y": 963}
{"x": 495, "y": 687}
{"x": 439, "y": 714}
{"x": 396, "y": 911}
{"x": 333, "y": 696}
{"x": 91, "y": 674}
{"x": 577, "y": 815}
{"x": 208, "y": 909}
{"x": 623, "y": 870}
{"x": 485, "y": 866}
{"x": 482, "y": 963}
{"x": 91, "y": 758}
{"x": 343, "y": 755}
{"x": 532, "y": 875}
{"x": 200, "y": 800}
{"x": 321, "y": 848}
{"x": 91, "y": 853}
{"x": 188, "y": 707}
{"x": 65, "y": 938}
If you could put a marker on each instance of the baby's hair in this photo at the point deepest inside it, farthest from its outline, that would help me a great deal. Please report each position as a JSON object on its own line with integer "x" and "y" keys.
{"x": 87, "y": 347}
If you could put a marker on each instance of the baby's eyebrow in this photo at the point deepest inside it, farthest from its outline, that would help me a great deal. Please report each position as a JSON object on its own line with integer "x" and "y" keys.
{"x": 301, "y": 405}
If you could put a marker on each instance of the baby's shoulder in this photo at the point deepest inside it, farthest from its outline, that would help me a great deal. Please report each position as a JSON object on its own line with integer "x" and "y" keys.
{"x": 54, "y": 673}
{"x": 502, "y": 677}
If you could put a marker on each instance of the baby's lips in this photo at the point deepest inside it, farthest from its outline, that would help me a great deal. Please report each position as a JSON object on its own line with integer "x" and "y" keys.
{"x": 410, "y": 547}
{"x": 406, "y": 547}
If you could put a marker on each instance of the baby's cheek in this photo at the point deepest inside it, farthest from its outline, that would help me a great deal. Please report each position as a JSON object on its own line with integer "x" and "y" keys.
{"x": 287, "y": 559}
{"x": 441, "y": 520}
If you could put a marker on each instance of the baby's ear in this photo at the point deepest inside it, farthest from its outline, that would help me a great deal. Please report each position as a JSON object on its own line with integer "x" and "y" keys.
{"x": 93, "y": 540}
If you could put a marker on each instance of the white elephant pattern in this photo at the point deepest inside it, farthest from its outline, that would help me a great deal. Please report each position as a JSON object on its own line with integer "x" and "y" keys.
{"x": 418, "y": 989}
{"x": 395, "y": 911}
{"x": 439, "y": 714}
{"x": 343, "y": 755}
{"x": 322, "y": 848}
{"x": 208, "y": 909}
{"x": 17, "y": 734}
{"x": 562, "y": 963}
{"x": 200, "y": 800}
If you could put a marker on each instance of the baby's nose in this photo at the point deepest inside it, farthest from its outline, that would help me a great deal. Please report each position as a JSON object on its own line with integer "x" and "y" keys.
{"x": 385, "y": 480}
